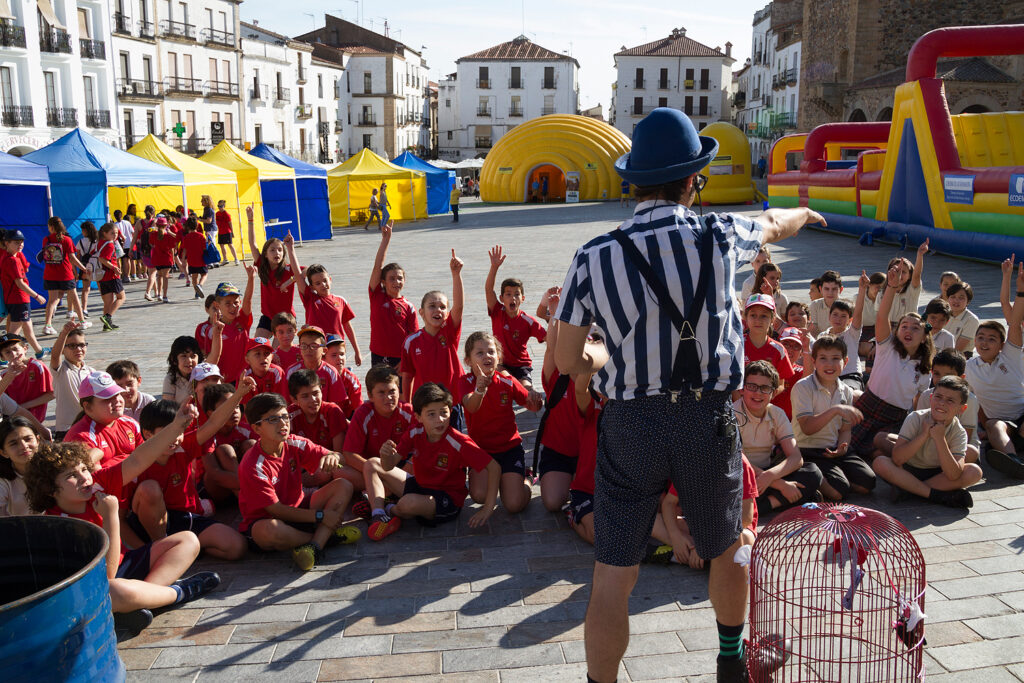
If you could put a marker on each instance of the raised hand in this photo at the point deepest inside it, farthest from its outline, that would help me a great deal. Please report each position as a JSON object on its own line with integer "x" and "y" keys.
{"x": 923, "y": 249}
{"x": 497, "y": 257}
{"x": 249, "y": 212}
{"x": 288, "y": 239}
{"x": 187, "y": 413}
{"x": 483, "y": 378}
{"x": 455, "y": 264}
{"x": 386, "y": 230}
{"x": 1020, "y": 277}
{"x": 864, "y": 281}
{"x": 1007, "y": 265}
{"x": 247, "y": 385}
{"x": 892, "y": 278}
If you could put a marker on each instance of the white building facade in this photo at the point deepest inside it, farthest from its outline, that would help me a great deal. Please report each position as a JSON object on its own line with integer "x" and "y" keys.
{"x": 55, "y": 72}
{"x": 676, "y": 72}
{"x": 496, "y": 89}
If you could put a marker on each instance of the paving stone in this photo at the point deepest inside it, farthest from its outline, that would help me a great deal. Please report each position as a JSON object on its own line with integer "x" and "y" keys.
{"x": 138, "y": 659}
{"x": 659, "y": 622}
{"x": 332, "y": 648}
{"x": 640, "y": 645}
{"x": 680, "y": 664}
{"x": 289, "y": 672}
{"x": 1014, "y": 516}
{"x": 949, "y": 570}
{"x": 514, "y": 615}
{"x": 418, "y": 557}
{"x": 1015, "y": 600}
{"x": 1012, "y": 502}
{"x": 560, "y": 563}
{"x": 697, "y": 639}
{"x": 969, "y": 608}
{"x": 399, "y": 665}
{"x": 972, "y": 535}
{"x": 980, "y": 654}
{"x": 433, "y": 621}
{"x": 470, "y": 603}
{"x": 461, "y": 639}
{"x": 176, "y": 617}
{"x": 180, "y": 637}
{"x": 997, "y": 565}
{"x": 214, "y": 655}
{"x": 477, "y": 570}
{"x": 345, "y": 609}
{"x": 467, "y": 677}
{"x": 554, "y": 594}
{"x": 961, "y": 552}
{"x": 244, "y": 614}
{"x": 543, "y": 632}
{"x": 180, "y": 675}
{"x": 556, "y": 673}
{"x": 411, "y": 589}
{"x": 991, "y": 584}
{"x": 988, "y": 675}
{"x": 499, "y": 658}
{"x": 949, "y": 633}
{"x": 992, "y": 628}
{"x": 289, "y": 630}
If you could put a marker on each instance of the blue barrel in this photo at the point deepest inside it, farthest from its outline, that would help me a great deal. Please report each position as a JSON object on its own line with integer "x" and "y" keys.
{"x": 55, "y": 618}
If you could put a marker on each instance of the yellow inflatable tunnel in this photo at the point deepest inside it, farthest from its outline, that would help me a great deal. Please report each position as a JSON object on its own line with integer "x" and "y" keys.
{"x": 728, "y": 173}
{"x": 565, "y": 150}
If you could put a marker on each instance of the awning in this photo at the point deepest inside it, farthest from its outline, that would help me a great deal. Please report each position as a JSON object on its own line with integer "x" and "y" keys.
{"x": 5, "y": 10}
{"x": 46, "y": 9}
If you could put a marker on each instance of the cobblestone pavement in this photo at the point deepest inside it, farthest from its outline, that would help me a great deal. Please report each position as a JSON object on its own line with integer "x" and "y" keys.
{"x": 506, "y": 602}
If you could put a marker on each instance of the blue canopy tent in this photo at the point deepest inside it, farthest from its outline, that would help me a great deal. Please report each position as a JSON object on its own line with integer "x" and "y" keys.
{"x": 83, "y": 169}
{"x": 439, "y": 187}
{"x": 311, "y": 190}
{"x": 25, "y": 196}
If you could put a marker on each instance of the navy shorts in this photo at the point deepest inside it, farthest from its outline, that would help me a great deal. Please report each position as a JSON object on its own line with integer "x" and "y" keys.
{"x": 445, "y": 509}
{"x": 201, "y": 270}
{"x": 923, "y": 473}
{"x": 19, "y": 313}
{"x": 225, "y": 237}
{"x": 111, "y": 286}
{"x": 553, "y": 461}
{"x": 523, "y": 373}
{"x": 176, "y": 521}
{"x": 58, "y": 285}
{"x": 135, "y": 564}
{"x": 377, "y": 359}
{"x": 581, "y": 504}
{"x": 161, "y": 269}
{"x": 646, "y": 442}
{"x": 512, "y": 461}
{"x": 264, "y": 323}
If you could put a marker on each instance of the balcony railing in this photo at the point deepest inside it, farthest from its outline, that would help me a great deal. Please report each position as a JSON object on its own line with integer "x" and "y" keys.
{"x": 757, "y": 94}
{"x": 146, "y": 29}
{"x": 483, "y": 143}
{"x": 791, "y": 76}
{"x": 55, "y": 40}
{"x": 639, "y": 83}
{"x": 177, "y": 29}
{"x": 12, "y": 36}
{"x": 304, "y": 111}
{"x": 128, "y": 88}
{"x": 515, "y": 111}
{"x": 783, "y": 120}
{"x": 702, "y": 111}
{"x": 221, "y": 89}
{"x": 212, "y": 35}
{"x": 544, "y": 111}
{"x": 549, "y": 83}
{"x": 367, "y": 120}
{"x": 483, "y": 111}
{"x": 642, "y": 110}
{"x": 122, "y": 24}
{"x": 259, "y": 93}
{"x": 339, "y": 126}
{"x": 515, "y": 83}
{"x": 689, "y": 84}
{"x": 97, "y": 118}
{"x": 483, "y": 83}
{"x": 664, "y": 85}
{"x": 323, "y": 128}
{"x": 177, "y": 84}
{"x": 282, "y": 95}
{"x": 92, "y": 49}
{"x": 704, "y": 85}
{"x": 63, "y": 117}
{"x": 16, "y": 116}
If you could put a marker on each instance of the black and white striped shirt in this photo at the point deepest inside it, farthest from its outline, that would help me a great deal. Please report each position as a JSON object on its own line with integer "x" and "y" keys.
{"x": 603, "y": 287}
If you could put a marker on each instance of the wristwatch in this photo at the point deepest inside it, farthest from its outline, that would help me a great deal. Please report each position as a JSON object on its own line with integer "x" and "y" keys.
{"x": 319, "y": 516}
{"x": 478, "y": 391}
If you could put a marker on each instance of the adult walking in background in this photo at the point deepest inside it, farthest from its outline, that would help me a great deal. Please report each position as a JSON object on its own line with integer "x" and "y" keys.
{"x": 374, "y": 210}
{"x": 661, "y": 288}
{"x": 453, "y": 200}
{"x": 385, "y": 215}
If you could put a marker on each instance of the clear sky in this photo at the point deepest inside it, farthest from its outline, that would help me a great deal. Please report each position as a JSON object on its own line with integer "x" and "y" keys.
{"x": 590, "y": 30}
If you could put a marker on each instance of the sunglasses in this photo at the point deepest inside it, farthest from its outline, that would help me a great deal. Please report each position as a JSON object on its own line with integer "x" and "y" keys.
{"x": 275, "y": 420}
{"x": 701, "y": 181}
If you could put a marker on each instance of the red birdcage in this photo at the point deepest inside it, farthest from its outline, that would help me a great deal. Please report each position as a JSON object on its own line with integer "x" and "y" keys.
{"x": 836, "y": 594}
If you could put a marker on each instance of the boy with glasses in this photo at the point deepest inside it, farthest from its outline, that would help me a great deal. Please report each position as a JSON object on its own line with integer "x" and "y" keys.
{"x": 312, "y": 350}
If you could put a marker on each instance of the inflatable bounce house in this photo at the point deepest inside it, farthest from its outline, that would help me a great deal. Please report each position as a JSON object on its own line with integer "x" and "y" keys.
{"x": 957, "y": 181}
{"x": 575, "y": 155}
{"x": 729, "y": 173}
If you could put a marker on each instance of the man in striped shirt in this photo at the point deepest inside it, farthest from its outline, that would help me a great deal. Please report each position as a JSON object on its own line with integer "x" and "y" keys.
{"x": 662, "y": 423}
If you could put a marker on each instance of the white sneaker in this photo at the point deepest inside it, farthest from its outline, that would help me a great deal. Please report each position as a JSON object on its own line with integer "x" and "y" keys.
{"x": 86, "y": 325}
{"x": 166, "y": 300}
{"x": 148, "y": 297}
{"x": 49, "y": 330}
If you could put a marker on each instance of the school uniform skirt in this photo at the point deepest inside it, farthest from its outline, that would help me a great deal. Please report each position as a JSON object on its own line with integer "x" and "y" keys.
{"x": 879, "y": 416}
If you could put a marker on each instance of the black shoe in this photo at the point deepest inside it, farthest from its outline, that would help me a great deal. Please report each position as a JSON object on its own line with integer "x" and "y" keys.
{"x": 1008, "y": 463}
{"x": 197, "y": 585}
{"x": 127, "y": 625}
{"x": 958, "y": 498}
{"x": 772, "y": 654}
{"x": 898, "y": 495}
{"x": 733, "y": 670}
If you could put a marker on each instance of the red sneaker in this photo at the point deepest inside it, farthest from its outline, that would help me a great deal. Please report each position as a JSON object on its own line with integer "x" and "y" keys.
{"x": 383, "y": 526}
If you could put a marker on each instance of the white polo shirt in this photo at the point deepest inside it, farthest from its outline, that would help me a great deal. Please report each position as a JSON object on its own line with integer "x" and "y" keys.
{"x": 904, "y": 303}
{"x": 999, "y": 385}
{"x": 851, "y": 336}
{"x": 943, "y": 340}
{"x": 760, "y": 434}
{"x": 869, "y": 313}
{"x": 964, "y": 326}
{"x": 819, "y": 315}
{"x": 811, "y": 398}
{"x": 927, "y": 455}
{"x": 66, "y": 381}
{"x": 894, "y": 379}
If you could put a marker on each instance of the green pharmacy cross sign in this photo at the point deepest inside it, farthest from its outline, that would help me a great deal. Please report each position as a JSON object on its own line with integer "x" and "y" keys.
{"x": 179, "y": 129}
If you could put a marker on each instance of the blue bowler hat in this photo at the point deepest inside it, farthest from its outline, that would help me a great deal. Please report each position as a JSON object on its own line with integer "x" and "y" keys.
{"x": 666, "y": 147}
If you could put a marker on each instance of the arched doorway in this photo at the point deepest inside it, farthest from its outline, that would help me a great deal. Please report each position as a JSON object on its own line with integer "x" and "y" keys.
{"x": 20, "y": 150}
{"x": 976, "y": 109}
{"x": 549, "y": 176}
{"x": 884, "y": 115}
{"x": 857, "y": 115}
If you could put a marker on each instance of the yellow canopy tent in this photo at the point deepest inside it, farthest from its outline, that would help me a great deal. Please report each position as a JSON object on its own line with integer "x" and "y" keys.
{"x": 259, "y": 181}
{"x": 350, "y": 185}
{"x": 200, "y": 178}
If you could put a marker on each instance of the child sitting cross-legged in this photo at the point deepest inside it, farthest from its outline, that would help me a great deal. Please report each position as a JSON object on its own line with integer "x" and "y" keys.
{"x": 60, "y": 481}
{"x": 217, "y": 471}
{"x": 440, "y": 456}
{"x": 952, "y": 362}
{"x": 166, "y": 500}
{"x": 320, "y": 421}
{"x": 824, "y": 415}
{"x": 783, "y": 478}
{"x": 928, "y": 457}
{"x": 276, "y": 514}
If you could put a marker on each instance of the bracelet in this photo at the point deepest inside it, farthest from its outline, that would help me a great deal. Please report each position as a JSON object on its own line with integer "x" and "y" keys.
{"x": 1020, "y": 293}
{"x": 482, "y": 393}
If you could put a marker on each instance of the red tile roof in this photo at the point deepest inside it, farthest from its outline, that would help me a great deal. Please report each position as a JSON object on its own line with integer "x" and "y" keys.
{"x": 676, "y": 45}
{"x": 519, "y": 49}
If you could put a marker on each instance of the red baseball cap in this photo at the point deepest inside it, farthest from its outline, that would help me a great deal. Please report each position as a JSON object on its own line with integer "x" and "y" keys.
{"x": 791, "y": 334}
{"x": 259, "y": 343}
{"x": 760, "y": 300}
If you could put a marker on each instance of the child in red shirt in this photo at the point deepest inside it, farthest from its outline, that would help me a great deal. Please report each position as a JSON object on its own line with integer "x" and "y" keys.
{"x": 436, "y": 490}
{"x": 392, "y": 316}
{"x": 235, "y": 312}
{"x": 164, "y": 245}
{"x": 320, "y": 421}
{"x": 61, "y": 481}
{"x": 225, "y": 235}
{"x": 312, "y": 351}
{"x": 16, "y": 290}
{"x": 111, "y": 288}
{"x": 335, "y": 357}
{"x": 167, "y": 500}
{"x": 431, "y": 354}
{"x": 26, "y": 380}
{"x": 217, "y": 470}
{"x": 757, "y": 345}
{"x": 487, "y": 396}
{"x": 287, "y": 353}
{"x": 510, "y": 325}
{"x": 193, "y": 244}
{"x": 59, "y": 263}
{"x": 382, "y": 418}
{"x": 329, "y": 312}
{"x": 275, "y": 512}
{"x": 277, "y": 286}
{"x": 267, "y": 375}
